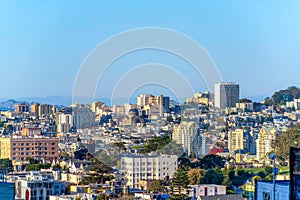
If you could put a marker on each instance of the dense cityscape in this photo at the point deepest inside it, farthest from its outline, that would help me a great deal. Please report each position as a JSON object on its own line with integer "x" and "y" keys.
{"x": 149, "y": 100}
{"x": 215, "y": 145}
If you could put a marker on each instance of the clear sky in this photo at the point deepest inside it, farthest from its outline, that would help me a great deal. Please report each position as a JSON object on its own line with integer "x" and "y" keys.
{"x": 43, "y": 43}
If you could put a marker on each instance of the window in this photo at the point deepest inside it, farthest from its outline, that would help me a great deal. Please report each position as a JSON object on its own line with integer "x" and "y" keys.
{"x": 266, "y": 196}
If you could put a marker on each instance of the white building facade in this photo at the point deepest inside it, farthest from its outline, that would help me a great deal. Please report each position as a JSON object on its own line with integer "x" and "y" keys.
{"x": 147, "y": 167}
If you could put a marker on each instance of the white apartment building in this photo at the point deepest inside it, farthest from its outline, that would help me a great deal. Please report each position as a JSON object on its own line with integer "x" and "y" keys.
{"x": 38, "y": 186}
{"x": 227, "y": 94}
{"x": 147, "y": 167}
{"x": 294, "y": 104}
{"x": 189, "y": 135}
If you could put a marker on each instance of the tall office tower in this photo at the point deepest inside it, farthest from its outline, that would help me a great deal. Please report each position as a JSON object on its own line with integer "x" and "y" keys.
{"x": 226, "y": 95}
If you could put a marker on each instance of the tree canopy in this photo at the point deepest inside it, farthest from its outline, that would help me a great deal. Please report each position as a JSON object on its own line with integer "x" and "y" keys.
{"x": 6, "y": 165}
{"x": 180, "y": 180}
{"x": 213, "y": 176}
{"x": 284, "y": 141}
{"x": 155, "y": 144}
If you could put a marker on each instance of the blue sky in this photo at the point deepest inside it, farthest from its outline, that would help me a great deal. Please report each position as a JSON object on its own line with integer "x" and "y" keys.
{"x": 43, "y": 43}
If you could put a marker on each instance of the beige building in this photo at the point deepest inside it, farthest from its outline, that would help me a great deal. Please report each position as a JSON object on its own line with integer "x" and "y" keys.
{"x": 263, "y": 143}
{"x": 241, "y": 139}
{"x": 19, "y": 148}
{"x": 245, "y": 106}
{"x": 199, "y": 98}
{"x": 156, "y": 105}
{"x": 31, "y": 131}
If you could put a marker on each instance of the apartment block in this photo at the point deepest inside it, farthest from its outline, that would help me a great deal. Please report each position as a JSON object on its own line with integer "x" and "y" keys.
{"x": 189, "y": 135}
{"x": 263, "y": 143}
{"x": 147, "y": 167}
{"x": 19, "y": 148}
{"x": 241, "y": 139}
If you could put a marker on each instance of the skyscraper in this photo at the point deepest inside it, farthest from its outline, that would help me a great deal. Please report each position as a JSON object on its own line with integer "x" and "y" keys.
{"x": 227, "y": 94}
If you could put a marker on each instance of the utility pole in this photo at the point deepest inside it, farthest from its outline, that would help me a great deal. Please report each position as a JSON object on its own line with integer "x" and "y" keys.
{"x": 273, "y": 157}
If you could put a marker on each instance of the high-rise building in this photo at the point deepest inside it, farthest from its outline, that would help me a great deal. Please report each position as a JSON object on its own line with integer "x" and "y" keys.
{"x": 64, "y": 122}
{"x": 189, "y": 135}
{"x": 147, "y": 167}
{"x": 35, "y": 109}
{"x": 241, "y": 139}
{"x": 263, "y": 143}
{"x": 21, "y": 108}
{"x": 42, "y": 109}
{"x": 46, "y": 109}
{"x": 227, "y": 94}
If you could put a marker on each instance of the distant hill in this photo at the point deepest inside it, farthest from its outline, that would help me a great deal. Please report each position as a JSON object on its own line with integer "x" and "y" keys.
{"x": 53, "y": 100}
{"x": 68, "y": 100}
{"x": 9, "y": 104}
{"x": 289, "y": 94}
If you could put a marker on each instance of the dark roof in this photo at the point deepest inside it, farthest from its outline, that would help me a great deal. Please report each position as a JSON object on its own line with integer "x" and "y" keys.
{"x": 223, "y": 197}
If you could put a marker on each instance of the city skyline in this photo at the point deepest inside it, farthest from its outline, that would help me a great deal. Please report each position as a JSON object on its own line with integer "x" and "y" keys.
{"x": 44, "y": 44}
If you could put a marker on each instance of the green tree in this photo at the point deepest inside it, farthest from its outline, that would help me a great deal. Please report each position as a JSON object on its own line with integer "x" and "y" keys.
{"x": 178, "y": 197}
{"x": 180, "y": 180}
{"x": 99, "y": 173}
{"x": 195, "y": 176}
{"x": 284, "y": 141}
{"x": 211, "y": 161}
{"x": 102, "y": 197}
{"x": 119, "y": 145}
{"x": 171, "y": 148}
{"x": 8, "y": 129}
{"x": 155, "y": 144}
{"x": 37, "y": 167}
{"x": 6, "y": 165}
{"x": 157, "y": 186}
{"x": 212, "y": 176}
{"x": 32, "y": 160}
{"x": 229, "y": 175}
